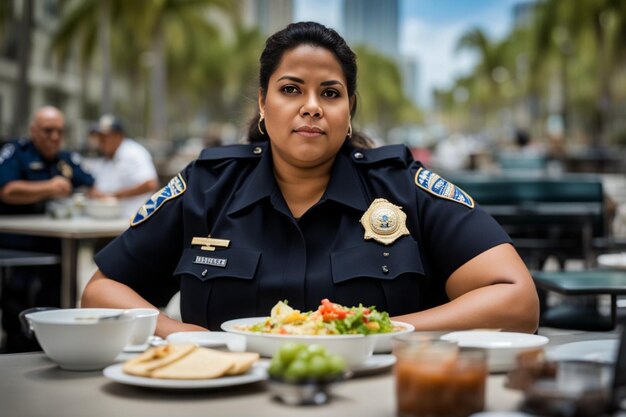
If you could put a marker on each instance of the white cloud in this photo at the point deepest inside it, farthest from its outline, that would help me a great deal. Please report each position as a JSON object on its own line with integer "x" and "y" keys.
{"x": 434, "y": 45}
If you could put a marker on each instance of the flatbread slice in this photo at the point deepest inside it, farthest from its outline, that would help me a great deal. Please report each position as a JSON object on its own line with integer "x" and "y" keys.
{"x": 202, "y": 363}
{"x": 157, "y": 357}
{"x": 243, "y": 362}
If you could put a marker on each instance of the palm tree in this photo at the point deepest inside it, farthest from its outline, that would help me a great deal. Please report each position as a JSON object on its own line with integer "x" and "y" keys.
{"x": 382, "y": 102}
{"x": 157, "y": 29}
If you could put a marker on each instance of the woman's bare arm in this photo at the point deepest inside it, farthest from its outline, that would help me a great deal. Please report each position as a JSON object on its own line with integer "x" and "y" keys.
{"x": 102, "y": 291}
{"x": 492, "y": 290}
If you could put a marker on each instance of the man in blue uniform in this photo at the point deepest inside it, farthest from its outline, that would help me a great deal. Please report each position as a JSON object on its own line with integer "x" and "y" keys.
{"x": 32, "y": 172}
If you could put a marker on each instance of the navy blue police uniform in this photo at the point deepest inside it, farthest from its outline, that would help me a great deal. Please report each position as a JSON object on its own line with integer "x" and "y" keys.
{"x": 20, "y": 160}
{"x": 39, "y": 285}
{"x": 263, "y": 254}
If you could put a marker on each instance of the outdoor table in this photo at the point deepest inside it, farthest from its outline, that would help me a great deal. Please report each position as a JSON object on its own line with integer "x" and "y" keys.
{"x": 31, "y": 385}
{"x": 72, "y": 232}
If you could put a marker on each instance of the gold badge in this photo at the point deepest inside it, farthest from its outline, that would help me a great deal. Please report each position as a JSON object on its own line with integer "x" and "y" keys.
{"x": 208, "y": 243}
{"x": 66, "y": 169}
{"x": 384, "y": 222}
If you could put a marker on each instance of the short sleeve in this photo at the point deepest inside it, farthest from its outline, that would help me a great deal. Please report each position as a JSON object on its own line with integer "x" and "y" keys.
{"x": 136, "y": 165}
{"x": 455, "y": 233}
{"x": 9, "y": 164}
{"x": 145, "y": 255}
{"x": 80, "y": 176}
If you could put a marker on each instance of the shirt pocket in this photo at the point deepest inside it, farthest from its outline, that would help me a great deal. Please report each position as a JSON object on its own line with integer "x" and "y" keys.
{"x": 373, "y": 260}
{"x": 229, "y": 263}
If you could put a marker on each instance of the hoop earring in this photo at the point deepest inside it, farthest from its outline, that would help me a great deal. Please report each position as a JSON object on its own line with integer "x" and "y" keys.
{"x": 258, "y": 125}
{"x": 349, "y": 131}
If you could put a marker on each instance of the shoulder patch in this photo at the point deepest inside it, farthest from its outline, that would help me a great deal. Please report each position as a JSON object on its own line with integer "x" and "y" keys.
{"x": 442, "y": 188}
{"x": 6, "y": 152}
{"x": 174, "y": 188}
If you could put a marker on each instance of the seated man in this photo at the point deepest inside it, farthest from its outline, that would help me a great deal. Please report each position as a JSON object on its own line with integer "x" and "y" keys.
{"x": 126, "y": 171}
{"x": 34, "y": 171}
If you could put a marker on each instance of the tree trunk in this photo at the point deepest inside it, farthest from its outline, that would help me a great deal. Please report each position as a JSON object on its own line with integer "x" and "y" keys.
{"x": 104, "y": 39}
{"x": 159, "y": 86}
{"x": 22, "y": 86}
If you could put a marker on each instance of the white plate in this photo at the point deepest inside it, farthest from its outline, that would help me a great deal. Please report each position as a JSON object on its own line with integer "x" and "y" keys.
{"x": 375, "y": 363}
{"x": 604, "y": 351}
{"x": 502, "y": 347}
{"x": 234, "y": 342}
{"x": 114, "y": 372}
{"x": 613, "y": 260}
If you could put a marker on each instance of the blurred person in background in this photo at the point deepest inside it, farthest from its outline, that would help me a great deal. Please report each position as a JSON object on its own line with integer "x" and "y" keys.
{"x": 34, "y": 171}
{"x": 308, "y": 210}
{"x": 125, "y": 171}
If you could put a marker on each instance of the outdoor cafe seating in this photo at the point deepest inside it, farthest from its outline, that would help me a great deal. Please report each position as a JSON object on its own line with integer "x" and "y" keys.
{"x": 563, "y": 217}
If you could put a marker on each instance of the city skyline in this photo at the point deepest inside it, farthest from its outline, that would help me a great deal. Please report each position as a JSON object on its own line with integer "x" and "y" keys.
{"x": 428, "y": 32}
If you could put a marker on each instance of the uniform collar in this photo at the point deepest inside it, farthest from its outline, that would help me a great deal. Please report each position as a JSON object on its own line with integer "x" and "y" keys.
{"x": 344, "y": 187}
{"x": 260, "y": 185}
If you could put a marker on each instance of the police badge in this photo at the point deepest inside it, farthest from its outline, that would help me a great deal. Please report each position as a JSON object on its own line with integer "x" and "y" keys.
{"x": 384, "y": 222}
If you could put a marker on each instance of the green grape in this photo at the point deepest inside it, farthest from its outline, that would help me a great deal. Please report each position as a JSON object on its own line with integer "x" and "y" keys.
{"x": 297, "y": 369}
{"x": 289, "y": 350}
{"x": 277, "y": 367}
{"x": 319, "y": 366}
{"x": 336, "y": 364}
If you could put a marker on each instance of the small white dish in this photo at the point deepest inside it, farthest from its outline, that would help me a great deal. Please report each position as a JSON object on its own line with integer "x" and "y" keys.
{"x": 502, "y": 347}
{"x": 234, "y": 342}
{"x": 603, "y": 351}
{"x": 115, "y": 373}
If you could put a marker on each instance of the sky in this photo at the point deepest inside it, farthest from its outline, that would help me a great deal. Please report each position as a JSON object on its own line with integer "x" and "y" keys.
{"x": 429, "y": 30}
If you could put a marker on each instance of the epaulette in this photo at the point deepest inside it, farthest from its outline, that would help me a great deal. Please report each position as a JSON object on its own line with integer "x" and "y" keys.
{"x": 383, "y": 153}
{"x": 254, "y": 150}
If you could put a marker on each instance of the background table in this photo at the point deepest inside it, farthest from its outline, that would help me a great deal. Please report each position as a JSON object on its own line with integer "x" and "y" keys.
{"x": 72, "y": 232}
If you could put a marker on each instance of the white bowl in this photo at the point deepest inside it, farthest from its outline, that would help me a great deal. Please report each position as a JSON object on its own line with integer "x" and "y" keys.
{"x": 383, "y": 340}
{"x": 502, "y": 347}
{"x": 75, "y": 338}
{"x": 355, "y": 348}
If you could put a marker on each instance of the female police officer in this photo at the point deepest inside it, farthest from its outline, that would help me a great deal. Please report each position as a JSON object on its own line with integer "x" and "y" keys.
{"x": 306, "y": 212}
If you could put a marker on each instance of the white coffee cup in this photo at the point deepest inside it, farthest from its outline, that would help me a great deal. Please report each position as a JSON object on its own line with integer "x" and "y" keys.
{"x": 144, "y": 325}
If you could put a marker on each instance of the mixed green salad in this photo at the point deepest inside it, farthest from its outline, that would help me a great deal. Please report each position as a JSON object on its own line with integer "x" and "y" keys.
{"x": 329, "y": 318}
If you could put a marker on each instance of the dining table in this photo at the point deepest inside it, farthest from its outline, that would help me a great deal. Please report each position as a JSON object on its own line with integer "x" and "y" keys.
{"x": 74, "y": 232}
{"x": 34, "y": 386}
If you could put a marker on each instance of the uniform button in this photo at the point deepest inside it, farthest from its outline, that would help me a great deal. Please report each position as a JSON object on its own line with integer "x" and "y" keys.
{"x": 385, "y": 269}
{"x": 257, "y": 150}
{"x": 358, "y": 155}
{"x": 206, "y": 271}
{"x": 385, "y": 254}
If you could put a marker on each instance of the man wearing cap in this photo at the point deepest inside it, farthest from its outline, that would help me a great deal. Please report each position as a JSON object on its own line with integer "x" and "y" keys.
{"x": 34, "y": 171}
{"x": 126, "y": 171}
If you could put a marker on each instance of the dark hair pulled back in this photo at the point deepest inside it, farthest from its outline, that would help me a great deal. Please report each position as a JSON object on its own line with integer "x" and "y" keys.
{"x": 306, "y": 33}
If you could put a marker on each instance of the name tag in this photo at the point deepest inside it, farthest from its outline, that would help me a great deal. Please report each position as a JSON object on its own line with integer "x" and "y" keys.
{"x": 205, "y": 260}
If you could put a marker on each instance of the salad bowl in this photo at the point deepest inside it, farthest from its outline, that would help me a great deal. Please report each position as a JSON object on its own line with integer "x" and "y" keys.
{"x": 355, "y": 348}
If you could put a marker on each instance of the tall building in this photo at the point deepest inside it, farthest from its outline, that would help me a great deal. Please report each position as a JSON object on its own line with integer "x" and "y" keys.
{"x": 374, "y": 23}
{"x": 269, "y": 15}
